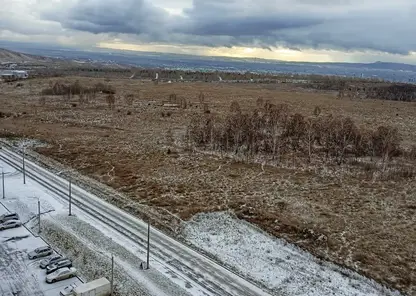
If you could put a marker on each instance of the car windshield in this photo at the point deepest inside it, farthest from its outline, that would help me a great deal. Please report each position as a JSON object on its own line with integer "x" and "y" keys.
{"x": 68, "y": 289}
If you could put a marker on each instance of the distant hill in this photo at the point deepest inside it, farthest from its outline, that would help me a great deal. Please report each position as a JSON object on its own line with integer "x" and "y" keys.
{"x": 7, "y": 56}
{"x": 119, "y": 59}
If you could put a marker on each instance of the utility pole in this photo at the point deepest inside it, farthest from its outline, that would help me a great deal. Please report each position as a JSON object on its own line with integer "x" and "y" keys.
{"x": 24, "y": 168}
{"x": 2, "y": 183}
{"x": 39, "y": 215}
{"x": 112, "y": 275}
{"x": 70, "y": 197}
{"x": 148, "y": 243}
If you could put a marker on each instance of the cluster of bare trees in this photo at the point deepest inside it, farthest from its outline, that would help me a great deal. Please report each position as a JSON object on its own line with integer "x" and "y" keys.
{"x": 181, "y": 102}
{"x": 76, "y": 88}
{"x": 395, "y": 92}
{"x": 275, "y": 131}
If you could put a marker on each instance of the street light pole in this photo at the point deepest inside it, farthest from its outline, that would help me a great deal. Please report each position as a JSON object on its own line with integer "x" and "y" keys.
{"x": 39, "y": 215}
{"x": 112, "y": 275}
{"x": 24, "y": 167}
{"x": 2, "y": 183}
{"x": 70, "y": 197}
{"x": 148, "y": 243}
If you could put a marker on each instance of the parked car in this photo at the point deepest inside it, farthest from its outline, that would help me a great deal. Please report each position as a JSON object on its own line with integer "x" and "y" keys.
{"x": 50, "y": 260}
{"x": 68, "y": 290}
{"x": 61, "y": 274}
{"x": 8, "y": 216}
{"x": 59, "y": 264}
{"x": 40, "y": 252}
{"x": 10, "y": 224}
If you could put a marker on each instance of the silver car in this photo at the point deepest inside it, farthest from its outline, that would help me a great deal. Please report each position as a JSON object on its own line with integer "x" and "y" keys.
{"x": 59, "y": 264}
{"x": 8, "y": 216}
{"x": 50, "y": 260}
{"x": 10, "y": 224}
{"x": 61, "y": 274}
{"x": 40, "y": 252}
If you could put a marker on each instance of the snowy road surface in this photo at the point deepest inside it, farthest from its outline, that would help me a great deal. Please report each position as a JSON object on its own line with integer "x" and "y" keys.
{"x": 195, "y": 273}
{"x": 19, "y": 275}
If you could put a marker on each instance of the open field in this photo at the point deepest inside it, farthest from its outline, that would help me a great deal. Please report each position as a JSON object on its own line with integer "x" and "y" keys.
{"x": 338, "y": 213}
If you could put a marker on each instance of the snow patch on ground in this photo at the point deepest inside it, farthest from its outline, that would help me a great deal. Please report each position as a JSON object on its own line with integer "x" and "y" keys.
{"x": 278, "y": 265}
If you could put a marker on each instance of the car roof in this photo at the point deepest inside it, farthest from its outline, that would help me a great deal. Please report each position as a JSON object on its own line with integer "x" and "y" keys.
{"x": 56, "y": 256}
{"x": 10, "y": 221}
{"x": 8, "y": 214}
{"x": 43, "y": 248}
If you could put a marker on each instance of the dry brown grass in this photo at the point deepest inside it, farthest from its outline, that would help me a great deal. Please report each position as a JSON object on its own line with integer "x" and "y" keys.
{"x": 334, "y": 212}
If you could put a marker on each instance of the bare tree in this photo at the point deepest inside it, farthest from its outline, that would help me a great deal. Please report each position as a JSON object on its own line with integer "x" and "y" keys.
{"x": 386, "y": 142}
{"x": 111, "y": 100}
{"x": 317, "y": 111}
{"x": 201, "y": 98}
{"x": 310, "y": 135}
{"x": 183, "y": 103}
{"x": 173, "y": 98}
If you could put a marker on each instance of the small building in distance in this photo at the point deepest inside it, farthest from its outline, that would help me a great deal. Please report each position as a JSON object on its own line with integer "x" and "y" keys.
{"x": 11, "y": 75}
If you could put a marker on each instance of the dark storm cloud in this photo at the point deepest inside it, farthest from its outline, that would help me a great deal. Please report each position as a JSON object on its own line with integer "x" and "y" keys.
{"x": 111, "y": 16}
{"x": 342, "y": 24}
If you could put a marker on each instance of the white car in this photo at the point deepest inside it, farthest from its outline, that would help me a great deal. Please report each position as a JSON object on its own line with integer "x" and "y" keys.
{"x": 8, "y": 216}
{"x": 61, "y": 274}
{"x": 68, "y": 290}
{"x": 40, "y": 252}
{"x": 10, "y": 224}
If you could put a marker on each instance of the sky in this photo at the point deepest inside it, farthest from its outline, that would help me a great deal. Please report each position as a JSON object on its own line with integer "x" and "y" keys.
{"x": 293, "y": 30}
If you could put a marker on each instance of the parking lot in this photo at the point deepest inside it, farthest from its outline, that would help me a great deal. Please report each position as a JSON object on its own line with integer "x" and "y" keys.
{"x": 19, "y": 275}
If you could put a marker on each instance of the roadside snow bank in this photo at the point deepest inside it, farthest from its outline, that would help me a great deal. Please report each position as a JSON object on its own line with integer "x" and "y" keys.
{"x": 278, "y": 265}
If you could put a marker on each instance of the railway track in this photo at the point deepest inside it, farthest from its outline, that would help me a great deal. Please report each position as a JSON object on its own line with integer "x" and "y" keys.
{"x": 201, "y": 271}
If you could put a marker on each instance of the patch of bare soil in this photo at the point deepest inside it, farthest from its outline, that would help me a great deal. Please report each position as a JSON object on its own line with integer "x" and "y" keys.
{"x": 334, "y": 212}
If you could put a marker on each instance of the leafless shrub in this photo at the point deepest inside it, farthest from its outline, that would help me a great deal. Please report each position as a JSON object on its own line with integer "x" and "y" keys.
{"x": 82, "y": 99}
{"x": 386, "y": 141}
{"x": 129, "y": 99}
{"x": 412, "y": 153}
{"x": 205, "y": 108}
{"x": 104, "y": 88}
{"x": 235, "y": 107}
{"x": 42, "y": 101}
{"x": 169, "y": 137}
{"x": 183, "y": 103}
{"x": 201, "y": 98}
{"x": 260, "y": 103}
{"x": 173, "y": 98}
{"x": 402, "y": 172}
{"x": 111, "y": 101}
